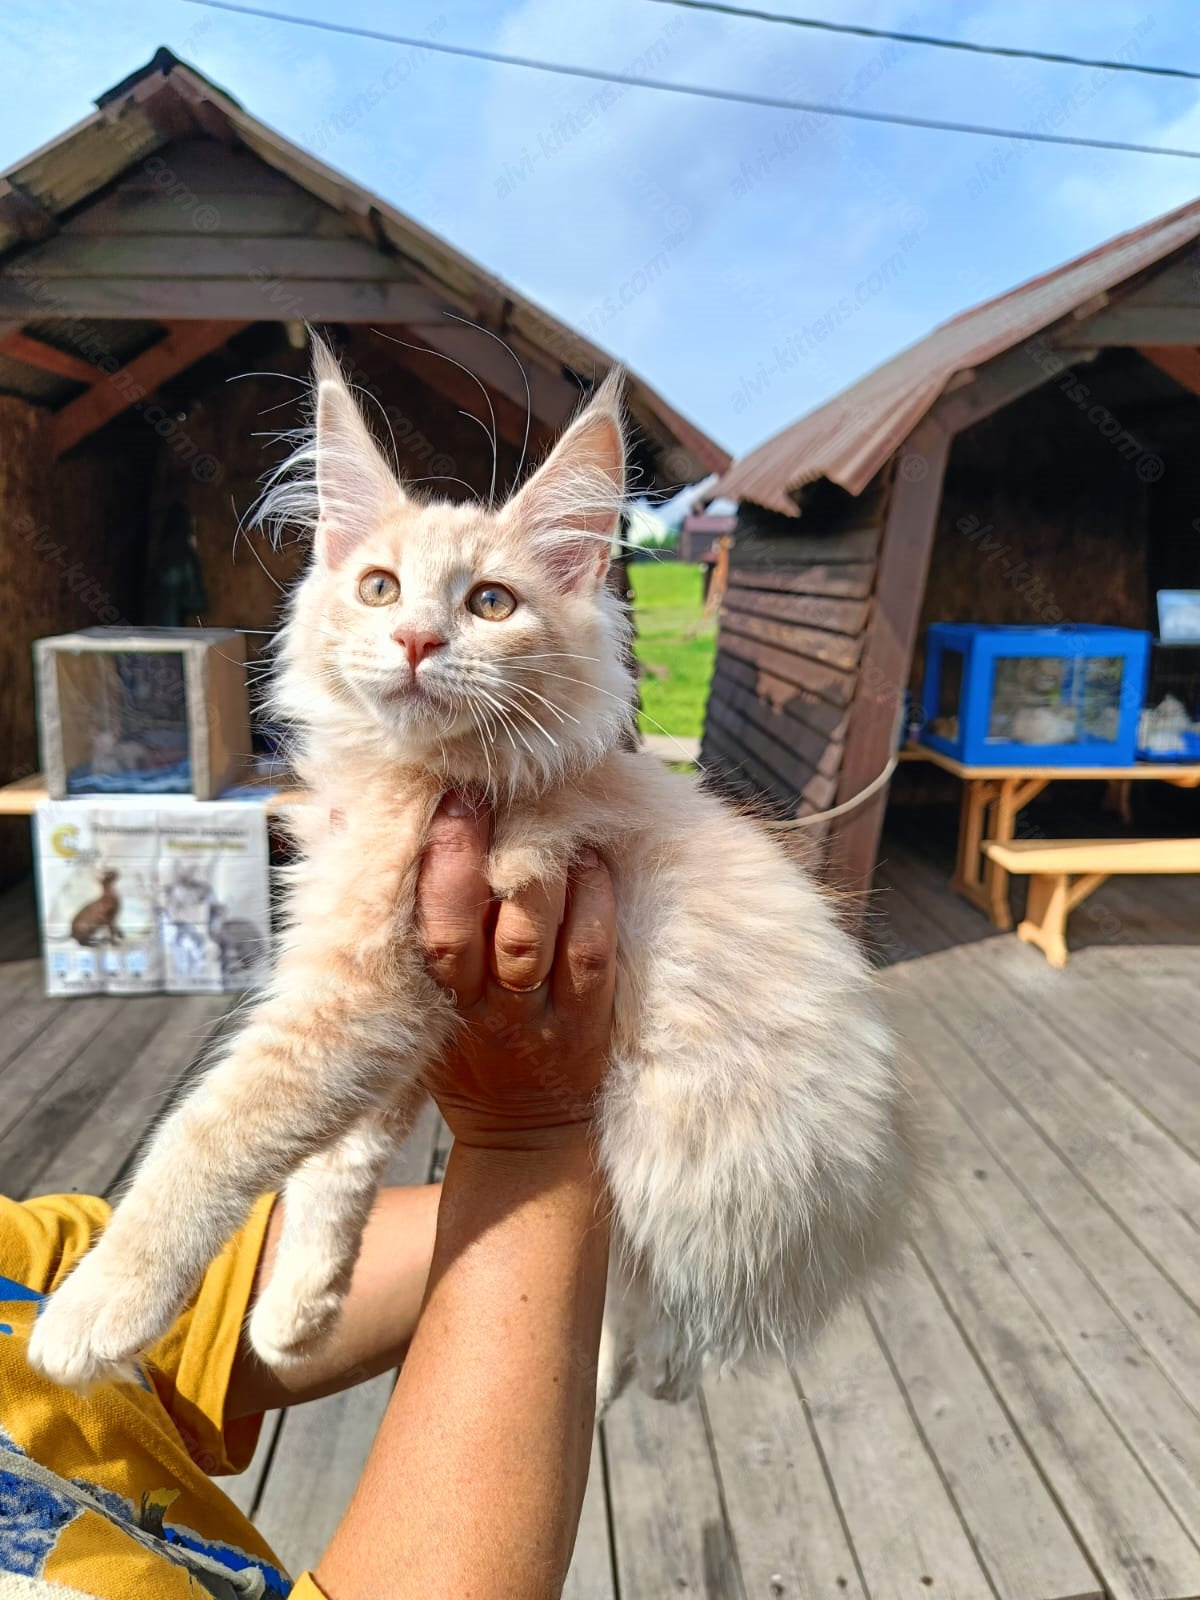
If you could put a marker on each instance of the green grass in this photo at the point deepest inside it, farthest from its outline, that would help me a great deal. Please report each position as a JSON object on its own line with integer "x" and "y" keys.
{"x": 675, "y": 646}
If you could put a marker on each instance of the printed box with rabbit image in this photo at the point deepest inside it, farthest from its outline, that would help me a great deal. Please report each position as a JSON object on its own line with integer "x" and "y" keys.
{"x": 138, "y": 900}
{"x": 97, "y": 898}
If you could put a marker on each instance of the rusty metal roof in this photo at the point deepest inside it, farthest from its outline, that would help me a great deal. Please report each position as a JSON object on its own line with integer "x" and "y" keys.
{"x": 849, "y": 438}
{"x": 166, "y": 99}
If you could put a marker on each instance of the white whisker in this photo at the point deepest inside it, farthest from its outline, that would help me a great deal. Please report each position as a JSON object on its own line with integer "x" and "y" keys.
{"x": 476, "y": 713}
{"x": 549, "y": 655}
{"x": 504, "y": 720}
{"x": 504, "y": 345}
{"x": 524, "y": 711}
{"x": 502, "y": 711}
{"x": 428, "y": 350}
{"x": 563, "y": 716}
{"x": 596, "y": 689}
{"x": 480, "y": 423}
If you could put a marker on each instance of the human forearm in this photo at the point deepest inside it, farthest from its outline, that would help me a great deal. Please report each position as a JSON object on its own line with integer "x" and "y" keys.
{"x": 494, "y": 1406}
{"x": 377, "y": 1318}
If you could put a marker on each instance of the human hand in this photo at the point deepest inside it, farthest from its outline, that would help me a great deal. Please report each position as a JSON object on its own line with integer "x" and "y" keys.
{"x": 533, "y": 977}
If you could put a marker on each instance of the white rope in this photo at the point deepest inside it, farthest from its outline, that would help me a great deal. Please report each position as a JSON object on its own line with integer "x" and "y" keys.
{"x": 863, "y": 795}
{"x": 859, "y": 799}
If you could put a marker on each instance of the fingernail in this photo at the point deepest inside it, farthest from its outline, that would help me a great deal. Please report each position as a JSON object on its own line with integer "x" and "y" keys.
{"x": 587, "y": 858}
{"x": 454, "y": 805}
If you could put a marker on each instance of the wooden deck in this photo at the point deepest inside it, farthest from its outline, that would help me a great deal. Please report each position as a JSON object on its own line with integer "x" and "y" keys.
{"x": 1016, "y": 1414}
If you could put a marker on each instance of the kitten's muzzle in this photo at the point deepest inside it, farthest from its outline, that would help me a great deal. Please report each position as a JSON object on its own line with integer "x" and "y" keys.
{"x": 418, "y": 644}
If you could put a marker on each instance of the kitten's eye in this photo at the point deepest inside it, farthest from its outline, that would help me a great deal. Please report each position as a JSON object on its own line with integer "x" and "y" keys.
{"x": 492, "y": 601}
{"x": 378, "y": 588}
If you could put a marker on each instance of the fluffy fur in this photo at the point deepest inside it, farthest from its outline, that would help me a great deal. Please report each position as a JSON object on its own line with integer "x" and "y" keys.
{"x": 752, "y": 1125}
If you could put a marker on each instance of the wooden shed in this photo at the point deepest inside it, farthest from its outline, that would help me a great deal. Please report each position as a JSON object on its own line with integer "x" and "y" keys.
{"x": 171, "y": 243}
{"x": 1032, "y": 460}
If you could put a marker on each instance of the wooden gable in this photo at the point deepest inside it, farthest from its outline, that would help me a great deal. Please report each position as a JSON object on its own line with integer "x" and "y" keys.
{"x": 202, "y": 230}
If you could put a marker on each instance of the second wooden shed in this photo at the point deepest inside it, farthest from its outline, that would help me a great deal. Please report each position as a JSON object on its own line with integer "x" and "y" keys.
{"x": 1032, "y": 460}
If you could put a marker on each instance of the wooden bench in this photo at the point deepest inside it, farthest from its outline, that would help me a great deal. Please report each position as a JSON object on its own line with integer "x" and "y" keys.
{"x": 1052, "y": 864}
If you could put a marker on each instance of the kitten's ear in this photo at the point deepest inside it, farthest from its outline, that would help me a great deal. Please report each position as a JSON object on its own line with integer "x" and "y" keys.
{"x": 570, "y": 509}
{"x": 356, "y": 488}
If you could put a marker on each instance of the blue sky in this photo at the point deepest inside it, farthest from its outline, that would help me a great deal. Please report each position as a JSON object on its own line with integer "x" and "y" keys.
{"x": 749, "y": 263}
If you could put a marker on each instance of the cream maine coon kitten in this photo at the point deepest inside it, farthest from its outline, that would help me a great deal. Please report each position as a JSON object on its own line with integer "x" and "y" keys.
{"x": 752, "y": 1122}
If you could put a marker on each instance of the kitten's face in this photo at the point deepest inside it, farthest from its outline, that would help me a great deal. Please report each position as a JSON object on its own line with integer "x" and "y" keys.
{"x": 483, "y": 643}
{"x": 441, "y": 624}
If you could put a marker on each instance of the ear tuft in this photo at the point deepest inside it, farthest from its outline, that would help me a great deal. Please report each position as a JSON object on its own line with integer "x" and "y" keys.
{"x": 356, "y": 488}
{"x": 570, "y": 510}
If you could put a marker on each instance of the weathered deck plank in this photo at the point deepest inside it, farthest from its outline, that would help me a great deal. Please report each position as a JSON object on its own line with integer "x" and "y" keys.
{"x": 1106, "y": 1141}
{"x": 48, "y": 1053}
{"x": 72, "y": 1092}
{"x": 591, "y": 1574}
{"x": 783, "y": 1514}
{"x": 669, "y": 1528}
{"x": 967, "y": 1422}
{"x": 985, "y": 1242}
{"x": 443, "y": 1139}
{"x": 1095, "y": 1125}
{"x": 1125, "y": 1527}
{"x": 1104, "y": 1023}
{"x": 413, "y": 1161}
{"x": 1150, "y": 1413}
{"x": 1022, "y": 1540}
{"x": 1127, "y": 1263}
{"x": 23, "y": 1021}
{"x": 905, "y": 1528}
{"x": 90, "y": 1160}
{"x": 1167, "y": 1025}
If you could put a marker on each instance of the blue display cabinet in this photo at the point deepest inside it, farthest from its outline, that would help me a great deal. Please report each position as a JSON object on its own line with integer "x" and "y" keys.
{"x": 1065, "y": 696}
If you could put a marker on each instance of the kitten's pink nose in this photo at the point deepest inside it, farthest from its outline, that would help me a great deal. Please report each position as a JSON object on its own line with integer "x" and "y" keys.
{"x": 417, "y": 645}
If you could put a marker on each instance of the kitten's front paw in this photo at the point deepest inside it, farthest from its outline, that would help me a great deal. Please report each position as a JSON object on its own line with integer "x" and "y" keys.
{"x": 513, "y": 867}
{"x": 291, "y": 1320}
{"x": 93, "y": 1329}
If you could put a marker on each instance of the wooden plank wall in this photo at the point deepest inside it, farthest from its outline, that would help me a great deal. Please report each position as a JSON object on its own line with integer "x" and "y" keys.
{"x": 791, "y": 634}
{"x": 204, "y": 231}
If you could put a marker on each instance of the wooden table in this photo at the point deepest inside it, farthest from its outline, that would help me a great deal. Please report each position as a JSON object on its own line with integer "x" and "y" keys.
{"x": 992, "y": 799}
{"x": 22, "y": 797}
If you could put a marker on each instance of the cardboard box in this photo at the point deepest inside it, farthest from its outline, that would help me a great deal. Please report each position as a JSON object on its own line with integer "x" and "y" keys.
{"x": 145, "y": 711}
{"x": 143, "y": 900}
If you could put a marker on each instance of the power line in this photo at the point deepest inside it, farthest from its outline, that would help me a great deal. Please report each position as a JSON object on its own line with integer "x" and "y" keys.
{"x": 862, "y": 31}
{"x": 695, "y": 90}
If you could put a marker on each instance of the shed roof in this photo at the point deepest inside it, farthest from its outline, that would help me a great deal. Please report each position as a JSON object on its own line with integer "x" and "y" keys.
{"x": 849, "y": 438}
{"x": 167, "y": 100}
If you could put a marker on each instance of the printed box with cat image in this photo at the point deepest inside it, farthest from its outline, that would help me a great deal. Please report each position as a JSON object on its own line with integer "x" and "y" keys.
{"x": 145, "y": 711}
{"x": 142, "y": 900}
{"x": 214, "y": 897}
{"x": 1046, "y": 696}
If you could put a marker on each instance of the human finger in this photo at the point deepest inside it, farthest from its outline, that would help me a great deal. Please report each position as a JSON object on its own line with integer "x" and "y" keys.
{"x": 454, "y": 897}
{"x": 522, "y": 944}
{"x": 585, "y": 965}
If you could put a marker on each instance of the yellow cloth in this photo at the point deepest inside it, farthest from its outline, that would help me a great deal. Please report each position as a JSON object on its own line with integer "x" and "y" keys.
{"x": 144, "y": 1448}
